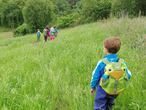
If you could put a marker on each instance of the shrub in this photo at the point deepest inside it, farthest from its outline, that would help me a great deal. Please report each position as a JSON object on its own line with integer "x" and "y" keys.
{"x": 10, "y": 14}
{"x": 123, "y": 7}
{"x": 22, "y": 30}
{"x": 68, "y": 20}
{"x": 38, "y": 13}
{"x": 95, "y": 9}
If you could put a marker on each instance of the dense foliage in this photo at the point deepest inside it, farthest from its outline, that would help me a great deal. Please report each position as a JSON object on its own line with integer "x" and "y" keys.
{"x": 10, "y": 14}
{"x": 129, "y": 7}
{"x": 96, "y": 9}
{"x": 65, "y": 13}
{"x": 22, "y": 30}
{"x": 38, "y": 13}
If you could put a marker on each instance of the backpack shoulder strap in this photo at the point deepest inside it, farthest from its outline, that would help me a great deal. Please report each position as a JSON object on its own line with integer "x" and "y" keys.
{"x": 105, "y": 61}
{"x": 121, "y": 60}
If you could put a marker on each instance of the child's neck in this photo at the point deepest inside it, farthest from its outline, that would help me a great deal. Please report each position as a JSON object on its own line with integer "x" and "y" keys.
{"x": 109, "y": 53}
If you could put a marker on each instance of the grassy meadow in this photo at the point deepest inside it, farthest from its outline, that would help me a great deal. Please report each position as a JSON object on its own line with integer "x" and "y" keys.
{"x": 56, "y": 75}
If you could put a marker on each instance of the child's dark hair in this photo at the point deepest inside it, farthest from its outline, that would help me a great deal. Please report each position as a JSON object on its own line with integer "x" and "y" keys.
{"x": 47, "y": 27}
{"x": 112, "y": 44}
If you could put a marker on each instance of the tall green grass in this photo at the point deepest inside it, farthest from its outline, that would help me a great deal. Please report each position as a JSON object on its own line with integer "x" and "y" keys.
{"x": 56, "y": 75}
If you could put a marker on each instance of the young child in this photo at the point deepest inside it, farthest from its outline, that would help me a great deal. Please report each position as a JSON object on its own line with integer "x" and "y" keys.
{"x": 110, "y": 76}
{"x": 45, "y": 33}
{"x": 52, "y": 33}
{"x": 38, "y": 35}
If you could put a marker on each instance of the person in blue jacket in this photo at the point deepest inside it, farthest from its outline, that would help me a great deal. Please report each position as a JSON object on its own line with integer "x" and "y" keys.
{"x": 103, "y": 100}
{"x": 38, "y": 35}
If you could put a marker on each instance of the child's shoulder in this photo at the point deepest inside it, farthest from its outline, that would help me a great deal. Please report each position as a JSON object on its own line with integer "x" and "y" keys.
{"x": 100, "y": 63}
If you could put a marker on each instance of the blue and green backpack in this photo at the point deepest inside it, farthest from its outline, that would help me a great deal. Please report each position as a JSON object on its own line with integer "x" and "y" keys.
{"x": 114, "y": 80}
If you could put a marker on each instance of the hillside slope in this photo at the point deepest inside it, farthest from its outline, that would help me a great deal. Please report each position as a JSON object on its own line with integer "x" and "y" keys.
{"x": 56, "y": 75}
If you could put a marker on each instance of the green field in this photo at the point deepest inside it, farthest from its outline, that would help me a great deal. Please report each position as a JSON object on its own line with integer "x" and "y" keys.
{"x": 56, "y": 75}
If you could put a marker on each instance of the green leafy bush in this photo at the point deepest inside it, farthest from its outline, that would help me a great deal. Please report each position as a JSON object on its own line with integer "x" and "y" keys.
{"x": 128, "y": 7}
{"x": 62, "y": 7}
{"x": 68, "y": 20}
{"x": 95, "y": 9}
{"x": 10, "y": 14}
{"x": 22, "y": 30}
{"x": 38, "y": 13}
{"x": 124, "y": 7}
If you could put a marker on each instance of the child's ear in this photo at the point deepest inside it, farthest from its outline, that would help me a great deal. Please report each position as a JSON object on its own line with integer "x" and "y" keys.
{"x": 105, "y": 50}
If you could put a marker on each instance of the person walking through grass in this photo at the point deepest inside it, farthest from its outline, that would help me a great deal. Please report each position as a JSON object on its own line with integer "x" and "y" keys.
{"x": 38, "y": 35}
{"x": 110, "y": 77}
{"x": 52, "y": 33}
{"x": 45, "y": 33}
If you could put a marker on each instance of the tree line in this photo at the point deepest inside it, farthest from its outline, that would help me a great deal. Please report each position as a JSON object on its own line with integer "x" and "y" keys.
{"x": 28, "y": 15}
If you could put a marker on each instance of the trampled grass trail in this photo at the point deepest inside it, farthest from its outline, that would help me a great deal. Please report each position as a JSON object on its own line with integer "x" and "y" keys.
{"x": 56, "y": 75}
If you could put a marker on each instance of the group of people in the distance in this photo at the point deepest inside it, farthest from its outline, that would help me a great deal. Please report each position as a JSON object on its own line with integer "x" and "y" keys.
{"x": 50, "y": 33}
